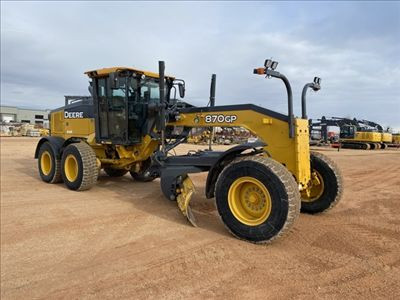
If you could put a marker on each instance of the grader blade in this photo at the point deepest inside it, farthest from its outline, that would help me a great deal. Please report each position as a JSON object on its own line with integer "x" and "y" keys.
{"x": 183, "y": 199}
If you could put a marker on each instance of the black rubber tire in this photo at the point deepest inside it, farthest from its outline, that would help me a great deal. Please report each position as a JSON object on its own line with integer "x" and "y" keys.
{"x": 140, "y": 176}
{"x": 55, "y": 173}
{"x": 115, "y": 172}
{"x": 87, "y": 166}
{"x": 282, "y": 187}
{"x": 332, "y": 182}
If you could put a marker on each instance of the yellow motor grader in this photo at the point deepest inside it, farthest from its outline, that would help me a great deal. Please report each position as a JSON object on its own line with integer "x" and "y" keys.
{"x": 134, "y": 119}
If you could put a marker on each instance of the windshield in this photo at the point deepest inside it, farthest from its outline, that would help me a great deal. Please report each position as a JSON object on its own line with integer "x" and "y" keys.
{"x": 347, "y": 132}
{"x": 144, "y": 90}
{"x": 149, "y": 90}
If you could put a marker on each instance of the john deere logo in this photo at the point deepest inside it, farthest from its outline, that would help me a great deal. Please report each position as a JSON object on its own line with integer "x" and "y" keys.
{"x": 73, "y": 115}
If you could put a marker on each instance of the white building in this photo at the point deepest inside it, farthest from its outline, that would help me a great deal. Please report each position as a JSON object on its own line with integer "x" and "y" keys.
{"x": 24, "y": 115}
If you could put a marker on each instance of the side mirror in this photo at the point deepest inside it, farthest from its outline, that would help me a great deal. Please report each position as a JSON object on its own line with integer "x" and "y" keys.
{"x": 181, "y": 88}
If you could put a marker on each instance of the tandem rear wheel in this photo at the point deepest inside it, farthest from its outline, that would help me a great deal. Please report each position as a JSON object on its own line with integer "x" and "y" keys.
{"x": 257, "y": 198}
{"x": 79, "y": 169}
{"x": 49, "y": 164}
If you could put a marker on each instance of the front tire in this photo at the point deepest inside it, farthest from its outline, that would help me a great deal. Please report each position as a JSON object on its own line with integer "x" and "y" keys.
{"x": 257, "y": 199}
{"x": 48, "y": 164}
{"x": 79, "y": 168}
{"x": 328, "y": 192}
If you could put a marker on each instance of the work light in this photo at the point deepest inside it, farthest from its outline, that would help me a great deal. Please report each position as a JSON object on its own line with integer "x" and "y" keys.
{"x": 267, "y": 63}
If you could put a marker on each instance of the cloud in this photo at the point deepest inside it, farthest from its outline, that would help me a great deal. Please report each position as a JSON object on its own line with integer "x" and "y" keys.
{"x": 354, "y": 47}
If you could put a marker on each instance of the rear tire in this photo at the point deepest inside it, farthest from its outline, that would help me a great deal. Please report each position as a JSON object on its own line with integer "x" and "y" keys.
{"x": 79, "y": 168}
{"x": 257, "y": 198}
{"x": 115, "y": 172}
{"x": 48, "y": 164}
{"x": 331, "y": 187}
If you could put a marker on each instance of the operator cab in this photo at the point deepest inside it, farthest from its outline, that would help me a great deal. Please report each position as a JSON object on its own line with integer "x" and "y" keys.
{"x": 126, "y": 103}
{"x": 347, "y": 132}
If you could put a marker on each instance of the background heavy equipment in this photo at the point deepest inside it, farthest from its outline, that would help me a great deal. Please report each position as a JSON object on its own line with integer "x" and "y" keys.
{"x": 386, "y": 136}
{"x": 354, "y": 133}
{"x": 134, "y": 120}
{"x": 395, "y": 140}
{"x": 199, "y": 137}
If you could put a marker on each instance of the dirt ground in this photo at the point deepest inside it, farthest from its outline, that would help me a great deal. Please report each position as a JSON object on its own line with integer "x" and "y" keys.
{"x": 123, "y": 239}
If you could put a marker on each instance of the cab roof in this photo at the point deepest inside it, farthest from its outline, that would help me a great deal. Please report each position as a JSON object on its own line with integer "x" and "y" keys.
{"x": 105, "y": 71}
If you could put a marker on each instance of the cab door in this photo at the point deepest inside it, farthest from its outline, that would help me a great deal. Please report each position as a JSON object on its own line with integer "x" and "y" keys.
{"x": 111, "y": 112}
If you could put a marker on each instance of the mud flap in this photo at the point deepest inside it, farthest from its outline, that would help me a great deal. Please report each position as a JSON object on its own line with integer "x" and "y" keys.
{"x": 186, "y": 192}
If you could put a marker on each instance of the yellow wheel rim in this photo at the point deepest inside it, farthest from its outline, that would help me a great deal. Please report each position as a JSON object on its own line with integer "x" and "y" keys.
{"x": 316, "y": 190}
{"x": 46, "y": 163}
{"x": 71, "y": 168}
{"x": 249, "y": 201}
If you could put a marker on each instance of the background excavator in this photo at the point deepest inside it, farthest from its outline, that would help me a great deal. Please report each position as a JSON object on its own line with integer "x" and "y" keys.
{"x": 354, "y": 133}
{"x": 386, "y": 136}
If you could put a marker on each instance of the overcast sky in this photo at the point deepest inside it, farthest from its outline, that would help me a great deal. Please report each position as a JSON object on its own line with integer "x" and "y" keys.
{"x": 353, "y": 46}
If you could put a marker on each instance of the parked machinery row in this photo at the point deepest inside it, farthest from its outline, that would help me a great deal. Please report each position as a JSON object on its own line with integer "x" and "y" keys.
{"x": 354, "y": 133}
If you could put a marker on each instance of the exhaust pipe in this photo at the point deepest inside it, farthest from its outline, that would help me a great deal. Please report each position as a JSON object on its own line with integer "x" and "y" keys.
{"x": 212, "y": 89}
{"x": 212, "y": 104}
{"x": 161, "y": 118}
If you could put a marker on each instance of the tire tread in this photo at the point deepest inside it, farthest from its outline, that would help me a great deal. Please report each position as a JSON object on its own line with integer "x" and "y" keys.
{"x": 294, "y": 200}
{"x": 90, "y": 170}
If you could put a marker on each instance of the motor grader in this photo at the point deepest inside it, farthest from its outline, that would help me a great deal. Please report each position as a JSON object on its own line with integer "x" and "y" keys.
{"x": 133, "y": 121}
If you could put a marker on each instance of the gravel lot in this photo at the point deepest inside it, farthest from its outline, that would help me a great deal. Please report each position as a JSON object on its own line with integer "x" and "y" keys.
{"x": 123, "y": 239}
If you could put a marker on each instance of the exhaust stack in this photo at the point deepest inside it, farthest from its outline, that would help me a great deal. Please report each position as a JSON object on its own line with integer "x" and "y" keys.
{"x": 212, "y": 104}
